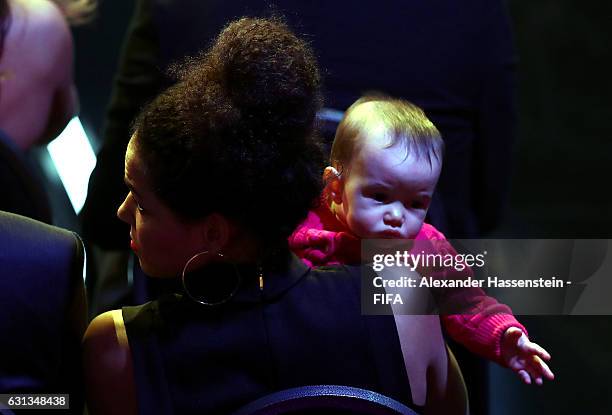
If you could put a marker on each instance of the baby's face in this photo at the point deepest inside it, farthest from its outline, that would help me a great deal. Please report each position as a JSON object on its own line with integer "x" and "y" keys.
{"x": 386, "y": 194}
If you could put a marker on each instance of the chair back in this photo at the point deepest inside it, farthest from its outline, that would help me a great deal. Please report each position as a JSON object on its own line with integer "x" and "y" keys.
{"x": 44, "y": 313}
{"x": 327, "y": 399}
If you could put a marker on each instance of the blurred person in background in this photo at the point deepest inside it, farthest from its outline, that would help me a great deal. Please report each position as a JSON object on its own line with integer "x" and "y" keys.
{"x": 37, "y": 93}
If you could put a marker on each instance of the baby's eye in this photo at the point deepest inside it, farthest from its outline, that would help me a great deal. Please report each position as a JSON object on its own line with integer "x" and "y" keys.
{"x": 379, "y": 197}
{"x": 417, "y": 204}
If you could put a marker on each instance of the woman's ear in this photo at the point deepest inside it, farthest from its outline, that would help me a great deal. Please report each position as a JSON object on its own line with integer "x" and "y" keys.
{"x": 216, "y": 232}
{"x": 334, "y": 184}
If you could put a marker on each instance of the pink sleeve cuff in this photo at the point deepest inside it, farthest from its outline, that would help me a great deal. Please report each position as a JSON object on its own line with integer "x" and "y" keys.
{"x": 480, "y": 334}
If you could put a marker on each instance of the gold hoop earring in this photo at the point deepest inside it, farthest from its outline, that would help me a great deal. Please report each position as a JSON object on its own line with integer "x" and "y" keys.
{"x": 220, "y": 291}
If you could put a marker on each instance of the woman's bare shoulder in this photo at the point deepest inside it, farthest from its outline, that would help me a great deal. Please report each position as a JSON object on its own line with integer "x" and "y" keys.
{"x": 106, "y": 350}
{"x": 108, "y": 366}
{"x": 106, "y": 334}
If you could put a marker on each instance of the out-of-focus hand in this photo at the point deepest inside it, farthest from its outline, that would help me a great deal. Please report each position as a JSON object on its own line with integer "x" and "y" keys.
{"x": 525, "y": 357}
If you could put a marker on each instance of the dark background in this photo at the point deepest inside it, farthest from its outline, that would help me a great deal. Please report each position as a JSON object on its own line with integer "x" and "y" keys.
{"x": 563, "y": 160}
{"x": 561, "y": 190}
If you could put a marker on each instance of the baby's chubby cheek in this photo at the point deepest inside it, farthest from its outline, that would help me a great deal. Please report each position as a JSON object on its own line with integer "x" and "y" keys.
{"x": 361, "y": 225}
{"x": 413, "y": 231}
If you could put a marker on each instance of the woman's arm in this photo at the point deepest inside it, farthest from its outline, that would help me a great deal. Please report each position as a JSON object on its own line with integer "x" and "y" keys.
{"x": 434, "y": 376}
{"x": 109, "y": 374}
{"x": 446, "y": 391}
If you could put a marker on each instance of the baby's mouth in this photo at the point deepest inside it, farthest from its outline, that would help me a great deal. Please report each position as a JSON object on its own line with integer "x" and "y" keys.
{"x": 390, "y": 234}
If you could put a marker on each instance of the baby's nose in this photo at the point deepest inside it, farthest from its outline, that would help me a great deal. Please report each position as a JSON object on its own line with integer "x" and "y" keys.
{"x": 393, "y": 217}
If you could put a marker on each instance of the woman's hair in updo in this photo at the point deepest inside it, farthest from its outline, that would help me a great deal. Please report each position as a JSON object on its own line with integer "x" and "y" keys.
{"x": 236, "y": 134}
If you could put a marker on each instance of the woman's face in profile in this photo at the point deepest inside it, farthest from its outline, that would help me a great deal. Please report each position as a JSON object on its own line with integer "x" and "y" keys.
{"x": 161, "y": 240}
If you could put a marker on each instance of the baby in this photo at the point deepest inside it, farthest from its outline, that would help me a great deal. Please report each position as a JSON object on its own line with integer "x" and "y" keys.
{"x": 385, "y": 162}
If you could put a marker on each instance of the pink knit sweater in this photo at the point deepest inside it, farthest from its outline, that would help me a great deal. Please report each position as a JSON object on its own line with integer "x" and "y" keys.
{"x": 323, "y": 240}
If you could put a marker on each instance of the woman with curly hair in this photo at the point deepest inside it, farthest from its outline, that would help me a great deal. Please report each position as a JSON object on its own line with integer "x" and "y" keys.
{"x": 221, "y": 168}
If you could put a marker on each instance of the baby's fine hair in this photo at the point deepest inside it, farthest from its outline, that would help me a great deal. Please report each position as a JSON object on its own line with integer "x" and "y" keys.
{"x": 403, "y": 121}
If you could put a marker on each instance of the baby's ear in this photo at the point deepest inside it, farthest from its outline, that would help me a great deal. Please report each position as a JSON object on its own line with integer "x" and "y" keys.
{"x": 334, "y": 184}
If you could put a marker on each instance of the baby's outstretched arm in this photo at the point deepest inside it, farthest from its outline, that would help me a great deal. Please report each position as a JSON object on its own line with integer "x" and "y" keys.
{"x": 487, "y": 327}
{"x": 525, "y": 357}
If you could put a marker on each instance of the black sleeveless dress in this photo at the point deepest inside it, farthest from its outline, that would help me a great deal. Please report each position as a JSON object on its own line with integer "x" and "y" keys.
{"x": 304, "y": 328}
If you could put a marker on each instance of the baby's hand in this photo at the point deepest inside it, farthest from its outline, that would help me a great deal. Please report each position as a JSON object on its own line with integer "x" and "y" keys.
{"x": 525, "y": 357}
{"x": 319, "y": 247}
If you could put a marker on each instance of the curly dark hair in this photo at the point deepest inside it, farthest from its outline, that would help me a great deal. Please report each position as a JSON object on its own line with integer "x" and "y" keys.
{"x": 236, "y": 134}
